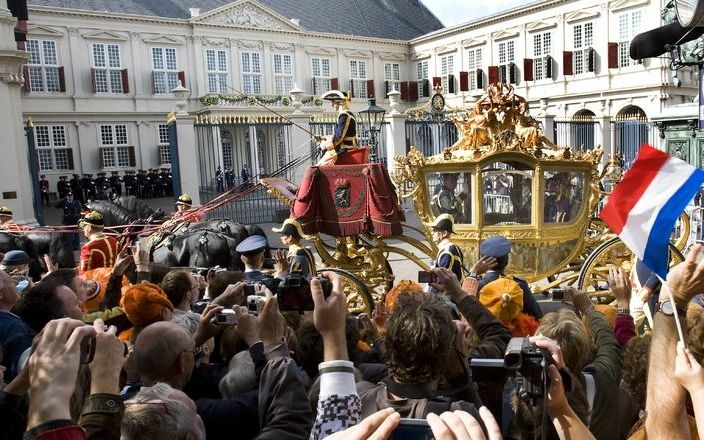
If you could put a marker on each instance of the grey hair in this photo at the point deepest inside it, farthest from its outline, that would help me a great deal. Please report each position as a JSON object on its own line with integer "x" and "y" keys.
{"x": 158, "y": 416}
{"x": 241, "y": 377}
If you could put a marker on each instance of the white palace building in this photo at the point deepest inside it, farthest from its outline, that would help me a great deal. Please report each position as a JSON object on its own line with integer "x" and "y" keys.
{"x": 98, "y": 77}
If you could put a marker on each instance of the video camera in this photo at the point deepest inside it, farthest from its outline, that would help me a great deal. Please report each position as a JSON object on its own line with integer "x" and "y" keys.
{"x": 526, "y": 363}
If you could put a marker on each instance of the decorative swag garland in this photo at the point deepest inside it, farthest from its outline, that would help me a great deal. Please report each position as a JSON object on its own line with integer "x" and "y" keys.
{"x": 253, "y": 100}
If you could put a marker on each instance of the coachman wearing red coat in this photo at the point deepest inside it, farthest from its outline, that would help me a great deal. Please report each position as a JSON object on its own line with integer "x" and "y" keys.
{"x": 101, "y": 249}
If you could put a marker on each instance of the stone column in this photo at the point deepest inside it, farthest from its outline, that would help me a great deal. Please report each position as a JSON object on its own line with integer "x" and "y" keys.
{"x": 300, "y": 143}
{"x": 188, "y": 156}
{"x": 15, "y": 173}
{"x": 395, "y": 131}
{"x": 605, "y": 140}
{"x": 548, "y": 122}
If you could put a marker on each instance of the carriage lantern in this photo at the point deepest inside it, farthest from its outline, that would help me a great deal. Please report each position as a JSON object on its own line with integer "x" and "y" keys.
{"x": 372, "y": 118}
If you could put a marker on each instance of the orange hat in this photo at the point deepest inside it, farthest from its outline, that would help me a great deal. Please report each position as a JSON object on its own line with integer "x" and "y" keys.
{"x": 101, "y": 276}
{"x": 609, "y": 313}
{"x": 144, "y": 302}
{"x": 503, "y": 298}
{"x": 404, "y": 286}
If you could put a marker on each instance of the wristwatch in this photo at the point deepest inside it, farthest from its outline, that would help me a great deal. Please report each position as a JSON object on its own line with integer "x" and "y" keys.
{"x": 668, "y": 308}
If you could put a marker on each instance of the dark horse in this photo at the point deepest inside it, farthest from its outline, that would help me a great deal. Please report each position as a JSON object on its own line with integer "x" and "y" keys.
{"x": 205, "y": 244}
{"x": 54, "y": 244}
{"x": 198, "y": 249}
{"x": 124, "y": 210}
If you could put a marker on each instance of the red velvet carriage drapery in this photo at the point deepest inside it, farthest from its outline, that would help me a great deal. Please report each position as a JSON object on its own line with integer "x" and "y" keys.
{"x": 345, "y": 200}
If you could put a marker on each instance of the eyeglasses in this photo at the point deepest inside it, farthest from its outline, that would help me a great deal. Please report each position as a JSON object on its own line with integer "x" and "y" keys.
{"x": 149, "y": 402}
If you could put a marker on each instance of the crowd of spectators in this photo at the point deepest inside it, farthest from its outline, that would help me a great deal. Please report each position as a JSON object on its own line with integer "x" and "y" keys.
{"x": 134, "y": 352}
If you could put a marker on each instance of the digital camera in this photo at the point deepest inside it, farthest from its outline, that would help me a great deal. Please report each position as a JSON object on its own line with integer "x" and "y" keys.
{"x": 294, "y": 292}
{"x": 225, "y": 317}
{"x": 254, "y": 304}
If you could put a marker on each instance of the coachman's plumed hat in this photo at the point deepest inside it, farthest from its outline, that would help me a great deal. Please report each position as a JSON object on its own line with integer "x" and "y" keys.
{"x": 92, "y": 218}
{"x": 290, "y": 227}
{"x": 444, "y": 222}
{"x": 335, "y": 95}
{"x": 185, "y": 200}
{"x": 5, "y": 211}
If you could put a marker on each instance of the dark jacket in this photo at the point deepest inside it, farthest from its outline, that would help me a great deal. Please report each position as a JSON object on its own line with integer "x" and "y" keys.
{"x": 606, "y": 368}
{"x": 15, "y": 337}
{"x": 102, "y": 416}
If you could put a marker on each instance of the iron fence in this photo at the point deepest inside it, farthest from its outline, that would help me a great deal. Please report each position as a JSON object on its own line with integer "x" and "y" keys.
{"x": 577, "y": 133}
{"x": 430, "y": 137}
{"x": 231, "y": 154}
{"x": 630, "y": 134}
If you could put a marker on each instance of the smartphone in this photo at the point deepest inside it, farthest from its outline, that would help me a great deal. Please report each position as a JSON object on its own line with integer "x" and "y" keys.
{"x": 426, "y": 277}
{"x": 412, "y": 429}
{"x": 558, "y": 294}
{"x": 225, "y": 317}
{"x": 87, "y": 349}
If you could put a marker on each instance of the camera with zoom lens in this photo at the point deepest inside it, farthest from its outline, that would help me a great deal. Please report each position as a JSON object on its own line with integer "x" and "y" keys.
{"x": 526, "y": 363}
{"x": 294, "y": 293}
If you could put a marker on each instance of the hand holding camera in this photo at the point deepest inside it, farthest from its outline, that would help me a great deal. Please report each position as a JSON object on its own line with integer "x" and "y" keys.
{"x": 247, "y": 325}
{"x": 234, "y": 294}
{"x": 447, "y": 283}
{"x": 206, "y": 328}
{"x": 620, "y": 286}
{"x": 271, "y": 322}
{"x": 110, "y": 355}
{"x": 579, "y": 300}
{"x": 53, "y": 367}
{"x": 329, "y": 316}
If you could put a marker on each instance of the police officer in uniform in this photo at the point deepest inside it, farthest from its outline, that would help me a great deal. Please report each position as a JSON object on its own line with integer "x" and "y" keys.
{"x": 75, "y": 184}
{"x": 449, "y": 255}
{"x": 62, "y": 187}
{"x": 219, "y": 179}
{"x": 88, "y": 187}
{"x": 499, "y": 247}
{"x": 100, "y": 182}
{"x": 44, "y": 188}
{"x": 300, "y": 259}
{"x": 345, "y": 135}
{"x": 251, "y": 251}
{"x": 445, "y": 201}
{"x": 72, "y": 214}
{"x": 115, "y": 183}
{"x": 166, "y": 181}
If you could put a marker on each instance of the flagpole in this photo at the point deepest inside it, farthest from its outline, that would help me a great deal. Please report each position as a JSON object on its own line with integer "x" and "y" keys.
{"x": 666, "y": 288}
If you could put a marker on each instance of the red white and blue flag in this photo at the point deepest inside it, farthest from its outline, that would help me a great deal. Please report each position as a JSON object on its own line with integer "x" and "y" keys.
{"x": 644, "y": 207}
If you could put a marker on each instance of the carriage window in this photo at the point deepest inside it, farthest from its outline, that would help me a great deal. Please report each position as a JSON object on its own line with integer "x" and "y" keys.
{"x": 450, "y": 194}
{"x": 507, "y": 193}
{"x": 564, "y": 195}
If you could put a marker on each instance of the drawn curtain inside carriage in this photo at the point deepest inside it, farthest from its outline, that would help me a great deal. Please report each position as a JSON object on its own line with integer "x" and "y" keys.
{"x": 223, "y": 151}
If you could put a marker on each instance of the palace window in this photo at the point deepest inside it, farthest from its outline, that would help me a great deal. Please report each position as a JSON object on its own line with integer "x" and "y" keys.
{"x": 507, "y": 55}
{"x": 251, "y": 72}
{"x": 474, "y": 64}
{"x": 583, "y": 38}
{"x": 114, "y": 149}
{"x": 447, "y": 65}
{"x": 52, "y": 148}
{"x": 392, "y": 77}
{"x": 358, "y": 76}
{"x": 322, "y": 75}
{"x": 542, "y": 49}
{"x": 107, "y": 69}
{"x": 629, "y": 24}
{"x": 165, "y": 73}
{"x": 216, "y": 70}
{"x": 45, "y": 74}
{"x": 422, "y": 75}
{"x": 164, "y": 150}
{"x": 283, "y": 73}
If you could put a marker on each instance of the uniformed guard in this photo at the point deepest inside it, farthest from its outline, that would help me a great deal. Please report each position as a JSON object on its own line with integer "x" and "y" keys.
{"x": 445, "y": 201}
{"x": 72, "y": 214}
{"x": 62, "y": 187}
{"x": 219, "y": 180}
{"x": 499, "y": 247}
{"x": 300, "y": 258}
{"x": 88, "y": 187}
{"x": 251, "y": 251}
{"x": 44, "y": 188}
{"x": 166, "y": 181}
{"x": 345, "y": 135}
{"x": 100, "y": 182}
{"x": 449, "y": 255}
{"x": 183, "y": 203}
{"x": 101, "y": 250}
{"x": 5, "y": 218}
{"x": 115, "y": 183}
{"x": 75, "y": 184}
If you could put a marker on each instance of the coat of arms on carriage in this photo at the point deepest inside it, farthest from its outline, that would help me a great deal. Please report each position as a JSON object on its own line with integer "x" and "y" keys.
{"x": 343, "y": 193}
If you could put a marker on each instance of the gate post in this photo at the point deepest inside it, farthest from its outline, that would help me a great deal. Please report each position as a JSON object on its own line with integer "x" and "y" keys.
{"x": 395, "y": 131}
{"x": 188, "y": 174}
{"x": 15, "y": 180}
{"x": 606, "y": 137}
{"x": 300, "y": 144}
{"x": 549, "y": 127}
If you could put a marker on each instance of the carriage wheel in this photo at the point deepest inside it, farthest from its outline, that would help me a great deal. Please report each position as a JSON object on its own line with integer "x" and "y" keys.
{"x": 359, "y": 297}
{"x": 593, "y": 277}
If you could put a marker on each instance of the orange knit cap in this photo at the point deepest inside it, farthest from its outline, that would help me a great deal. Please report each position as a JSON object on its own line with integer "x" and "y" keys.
{"x": 503, "y": 298}
{"x": 144, "y": 302}
{"x": 404, "y": 286}
{"x": 101, "y": 276}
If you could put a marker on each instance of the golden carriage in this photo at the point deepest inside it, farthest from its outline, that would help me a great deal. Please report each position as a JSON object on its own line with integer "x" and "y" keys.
{"x": 502, "y": 176}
